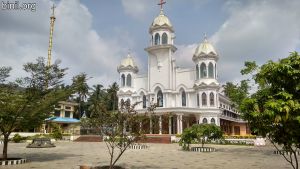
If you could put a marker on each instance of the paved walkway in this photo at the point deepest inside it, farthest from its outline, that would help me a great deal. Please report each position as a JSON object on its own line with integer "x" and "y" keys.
{"x": 69, "y": 155}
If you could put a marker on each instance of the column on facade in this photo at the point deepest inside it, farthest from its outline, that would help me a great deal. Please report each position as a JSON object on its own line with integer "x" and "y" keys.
{"x": 170, "y": 124}
{"x": 198, "y": 119}
{"x": 160, "y": 124}
{"x": 150, "y": 125}
{"x": 179, "y": 123}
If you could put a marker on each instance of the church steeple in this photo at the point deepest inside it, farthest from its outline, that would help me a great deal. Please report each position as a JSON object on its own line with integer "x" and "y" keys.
{"x": 52, "y": 20}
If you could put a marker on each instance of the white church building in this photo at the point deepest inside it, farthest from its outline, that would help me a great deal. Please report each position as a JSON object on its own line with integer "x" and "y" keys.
{"x": 185, "y": 96}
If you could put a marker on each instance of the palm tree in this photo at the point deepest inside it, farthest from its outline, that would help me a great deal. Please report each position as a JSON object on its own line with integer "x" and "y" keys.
{"x": 82, "y": 89}
{"x": 112, "y": 97}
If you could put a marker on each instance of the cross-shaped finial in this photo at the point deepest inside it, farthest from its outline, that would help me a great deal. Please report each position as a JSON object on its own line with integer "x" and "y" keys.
{"x": 161, "y": 4}
{"x": 53, "y": 7}
{"x": 205, "y": 36}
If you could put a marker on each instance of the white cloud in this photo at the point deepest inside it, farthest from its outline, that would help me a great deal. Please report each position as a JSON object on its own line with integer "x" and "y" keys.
{"x": 254, "y": 31}
{"x": 75, "y": 42}
{"x": 138, "y": 9}
{"x": 257, "y": 30}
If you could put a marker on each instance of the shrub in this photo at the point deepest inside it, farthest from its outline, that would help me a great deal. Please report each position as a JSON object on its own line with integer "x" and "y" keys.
{"x": 56, "y": 132}
{"x": 17, "y": 138}
{"x": 199, "y": 133}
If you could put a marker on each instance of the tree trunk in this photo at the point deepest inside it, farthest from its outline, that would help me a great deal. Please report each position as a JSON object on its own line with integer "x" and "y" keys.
{"x": 5, "y": 144}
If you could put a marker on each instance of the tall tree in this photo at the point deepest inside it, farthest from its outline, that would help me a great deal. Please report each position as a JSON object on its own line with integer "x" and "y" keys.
{"x": 237, "y": 92}
{"x": 26, "y": 103}
{"x": 82, "y": 89}
{"x": 274, "y": 110}
{"x": 112, "y": 98}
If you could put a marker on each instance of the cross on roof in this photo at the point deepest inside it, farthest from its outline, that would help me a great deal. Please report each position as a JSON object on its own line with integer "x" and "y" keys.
{"x": 161, "y": 3}
{"x": 53, "y": 7}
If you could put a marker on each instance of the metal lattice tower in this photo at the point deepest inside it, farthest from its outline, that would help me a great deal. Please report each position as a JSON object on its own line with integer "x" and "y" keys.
{"x": 52, "y": 19}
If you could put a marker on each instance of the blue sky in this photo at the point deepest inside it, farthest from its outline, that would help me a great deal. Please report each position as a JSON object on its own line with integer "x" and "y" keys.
{"x": 93, "y": 36}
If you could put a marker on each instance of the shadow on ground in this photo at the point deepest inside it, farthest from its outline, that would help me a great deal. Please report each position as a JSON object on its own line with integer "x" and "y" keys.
{"x": 44, "y": 157}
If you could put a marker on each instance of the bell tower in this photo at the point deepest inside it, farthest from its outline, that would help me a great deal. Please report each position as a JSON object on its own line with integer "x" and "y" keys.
{"x": 160, "y": 51}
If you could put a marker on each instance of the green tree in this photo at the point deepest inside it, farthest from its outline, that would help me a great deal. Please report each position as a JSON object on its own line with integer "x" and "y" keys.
{"x": 200, "y": 133}
{"x": 26, "y": 103}
{"x": 112, "y": 98}
{"x": 82, "y": 89}
{"x": 274, "y": 110}
{"x": 120, "y": 129}
{"x": 237, "y": 92}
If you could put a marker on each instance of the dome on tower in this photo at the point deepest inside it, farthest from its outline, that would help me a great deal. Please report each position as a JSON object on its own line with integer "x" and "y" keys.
{"x": 128, "y": 64}
{"x": 161, "y": 21}
{"x": 205, "y": 50}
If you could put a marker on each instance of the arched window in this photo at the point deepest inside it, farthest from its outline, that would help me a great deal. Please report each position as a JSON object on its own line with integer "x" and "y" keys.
{"x": 197, "y": 72}
{"x": 198, "y": 100}
{"x": 210, "y": 70}
{"x": 183, "y": 98}
{"x": 128, "y": 101}
{"x": 156, "y": 39}
{"x": 203, "y": 72}
{"x": 204, "y": 121}
{"x": 123, "y": 80}
{"x": 204, "y": 99}
{"x": 160, "y": 99}
{"x": 122, "y": 101}
{"x": 212, "y": 121}
{"x": 144, "y": 101}
{"x": 164, "y": 38}
{"x": 128, "y": 80}
{"x": 216, "y": 71}
{"x": 152, "y": 40}
{"x": 211, "y": 99}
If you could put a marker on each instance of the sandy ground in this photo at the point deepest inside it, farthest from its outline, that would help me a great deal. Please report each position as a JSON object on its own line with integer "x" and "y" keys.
{"x": 69, "y": 155}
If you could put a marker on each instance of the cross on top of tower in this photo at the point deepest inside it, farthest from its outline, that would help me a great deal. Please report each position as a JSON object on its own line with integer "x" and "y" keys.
{"x": 161, "y": 4}
{"x": 53, "y": 7}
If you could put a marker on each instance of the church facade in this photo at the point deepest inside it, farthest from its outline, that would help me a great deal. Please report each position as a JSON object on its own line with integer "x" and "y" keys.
{"x": 184, "y": 96}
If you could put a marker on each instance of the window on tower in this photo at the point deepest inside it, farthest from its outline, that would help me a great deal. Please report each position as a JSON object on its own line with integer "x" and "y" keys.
{"x": 212, "y": 121}
{"x": 128, "y": 101}
{"x": 198, "y": 100}
{"x": 212, "y": 99}
{"x": 204, "y": 99}
{"x": 204, "y": 121}
{"x": 123, "y": 80}
{"x": 164, "y": 38}
{"x": 197, "y": 72}
{"x": 183, "y": 98}
{"x": 210, "y": 70}
{"x": 160, "y": 99}
{"x": 128, "y": 80}
{"x": 156, "y": 39}
{"x": 144, "y": 101}
{"x": 216, "y": 71}
{"x": 203, "y": 70}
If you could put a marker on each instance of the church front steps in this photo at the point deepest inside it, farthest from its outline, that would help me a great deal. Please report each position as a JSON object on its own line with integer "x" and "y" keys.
{"x": 150, "y": 138}
{"x": 157, "y": 138}
{"x": 89, "y": 138}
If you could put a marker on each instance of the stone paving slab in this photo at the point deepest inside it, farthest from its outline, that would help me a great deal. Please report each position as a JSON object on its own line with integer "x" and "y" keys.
{"x": 69, "y": 155}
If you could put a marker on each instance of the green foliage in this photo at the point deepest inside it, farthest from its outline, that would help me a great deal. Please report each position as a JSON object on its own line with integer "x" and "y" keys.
{"x": 56, "y": 132}
{"x": 200, "y": 133}
{"x": 249, "y": 67}
{"x": 120, "y": 128}
{"x": 274, "y": 110}
{"x": 17, "y": 138}
{"x": 4, "y": 73}
{"x": 237, "y": 92}
{"x": 27, "y": 102}
{"x": 82, "y": 89}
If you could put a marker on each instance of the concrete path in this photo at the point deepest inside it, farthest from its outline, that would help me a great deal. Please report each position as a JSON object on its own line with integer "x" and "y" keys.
{"x": 69, "y": 155}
